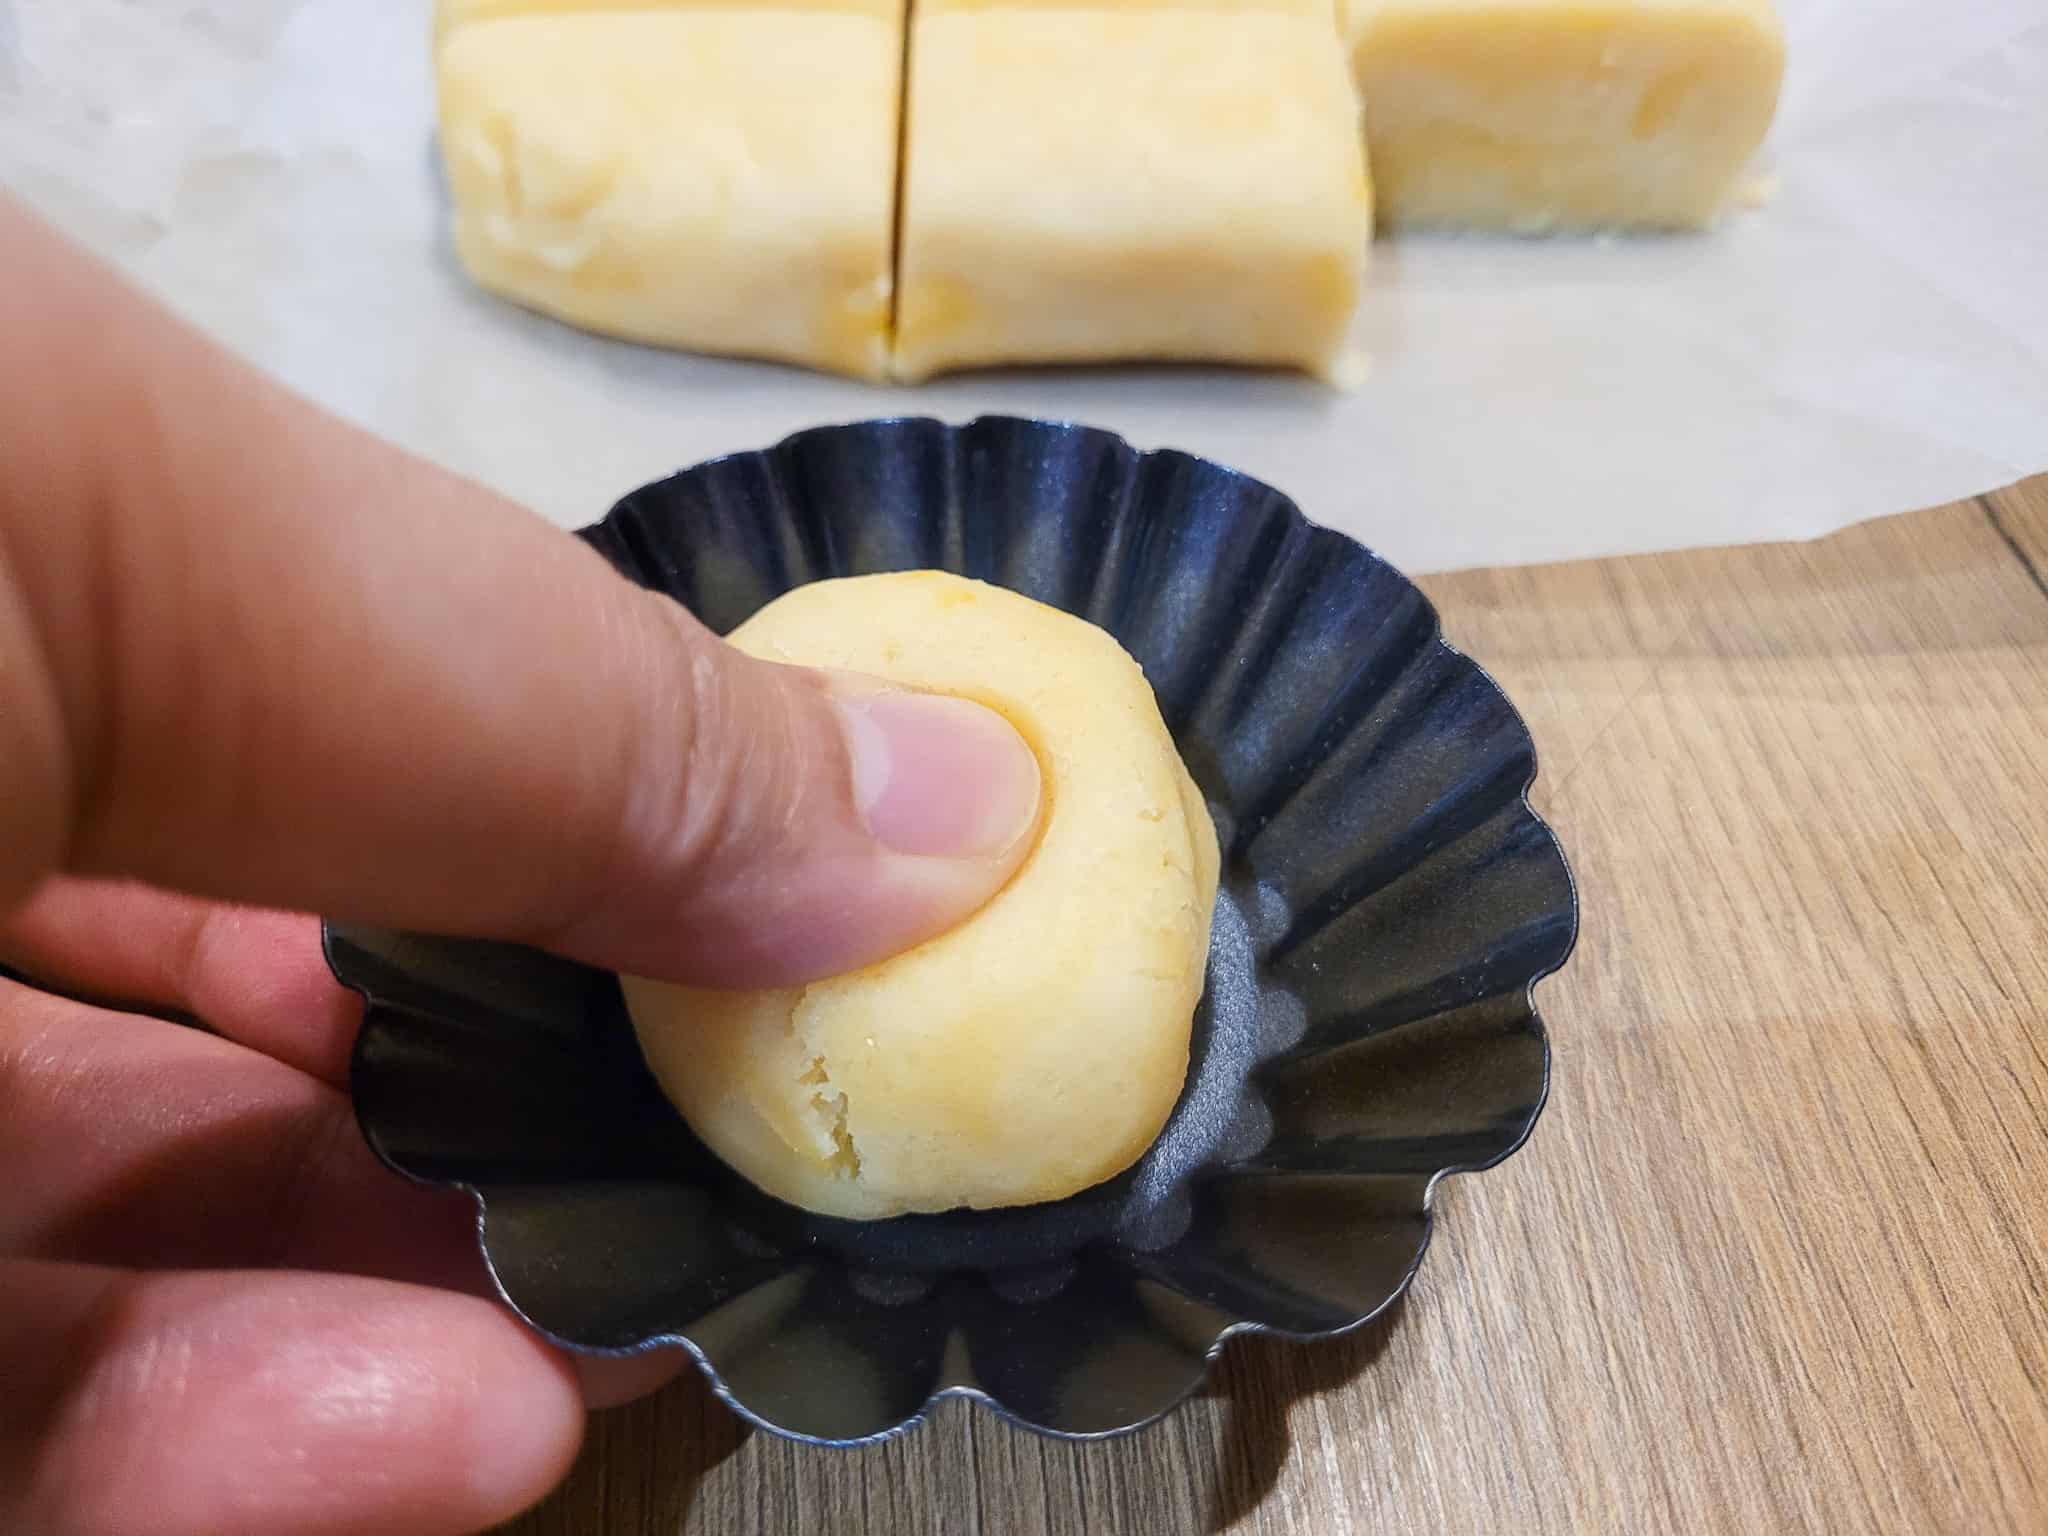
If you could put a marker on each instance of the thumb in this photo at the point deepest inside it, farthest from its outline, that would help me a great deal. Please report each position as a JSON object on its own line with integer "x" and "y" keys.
{"x": 790, "y": 824}
{"x": 249, "y": 652}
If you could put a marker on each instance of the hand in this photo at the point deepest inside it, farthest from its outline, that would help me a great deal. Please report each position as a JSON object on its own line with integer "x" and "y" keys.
{"x": 218, "y": 1311}
{"x": 249, "y": 653}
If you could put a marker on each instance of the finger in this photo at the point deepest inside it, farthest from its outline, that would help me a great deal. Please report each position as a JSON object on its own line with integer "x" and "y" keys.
{"x": 792, "y": 825}
{"x": 296, "y": 1405}
{"x": 258, "y": 655}
{"x": 255, "y": 976}
{"x": 129, "y": 1141}
{"x": 184, "y": 1151}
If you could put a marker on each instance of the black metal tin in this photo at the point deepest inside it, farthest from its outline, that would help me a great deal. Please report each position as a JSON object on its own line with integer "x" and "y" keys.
{"x": 1389, "y": 899}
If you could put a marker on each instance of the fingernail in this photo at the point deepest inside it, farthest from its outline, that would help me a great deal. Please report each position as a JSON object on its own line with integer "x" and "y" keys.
{"x": 939, "y": 777}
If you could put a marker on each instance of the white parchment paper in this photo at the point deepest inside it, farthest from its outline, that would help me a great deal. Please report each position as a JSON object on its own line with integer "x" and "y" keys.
{"x": 1874, "y": 338}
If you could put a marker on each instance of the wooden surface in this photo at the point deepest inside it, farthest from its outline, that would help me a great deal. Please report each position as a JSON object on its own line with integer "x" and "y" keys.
{"x": 1776, "y": 1257}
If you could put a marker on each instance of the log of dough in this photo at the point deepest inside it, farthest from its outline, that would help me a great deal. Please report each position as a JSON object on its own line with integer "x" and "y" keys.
{"x": 718, "y": 178}
{"x": 1037, "y": 1048}
{"x": 1129, "y": 181}
{"x": 1537, "y": 115}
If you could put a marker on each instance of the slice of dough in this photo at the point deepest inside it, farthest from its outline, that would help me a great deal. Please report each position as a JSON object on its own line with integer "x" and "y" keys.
{"x": 452, "y": 13}
{"x": 1133, "y": 181}
{"x": 1533, "y": 115}
{"x": 1325, "y": 11}
{"x": 1037, "y": 1048}
{"x": 714, "y": 178}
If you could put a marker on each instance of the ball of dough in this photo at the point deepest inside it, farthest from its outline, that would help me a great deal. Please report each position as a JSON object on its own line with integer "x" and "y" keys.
{"x": 1038, "y": 1047}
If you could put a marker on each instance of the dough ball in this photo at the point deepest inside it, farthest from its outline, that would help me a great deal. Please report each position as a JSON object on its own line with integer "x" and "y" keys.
{"x": 1037, "y": 1048}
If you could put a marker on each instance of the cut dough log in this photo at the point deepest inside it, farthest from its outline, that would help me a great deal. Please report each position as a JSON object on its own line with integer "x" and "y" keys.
{"x": 1037, "y": 1048}
{"x": 719, "y": 178}
{"x": 1129, "y": 181}
{"x": 1534, "y": 115}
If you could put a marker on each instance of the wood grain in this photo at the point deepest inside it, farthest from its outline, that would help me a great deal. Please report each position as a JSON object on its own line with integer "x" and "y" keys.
{"x": 2020, "y": 513}
{"x": 1777, "y": 1256}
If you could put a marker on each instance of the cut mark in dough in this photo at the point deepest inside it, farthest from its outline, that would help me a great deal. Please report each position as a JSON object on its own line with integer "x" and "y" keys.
{"x": 845, "y": 1159}
{"x": 829, "y": 1110}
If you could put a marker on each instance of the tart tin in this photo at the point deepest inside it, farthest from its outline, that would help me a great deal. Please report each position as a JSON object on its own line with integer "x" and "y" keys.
{"x": 1388, "y": 901}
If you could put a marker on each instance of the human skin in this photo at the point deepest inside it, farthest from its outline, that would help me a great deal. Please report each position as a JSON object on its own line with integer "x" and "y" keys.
{"x": 256, "y": 664}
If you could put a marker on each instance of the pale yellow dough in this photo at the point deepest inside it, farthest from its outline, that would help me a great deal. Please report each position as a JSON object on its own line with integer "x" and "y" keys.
{"x": 1132, "y": 180}
{"x": 1037, "y": 1048}
{"x": 1535, "y": 115}
{"x": 713, "y": 177}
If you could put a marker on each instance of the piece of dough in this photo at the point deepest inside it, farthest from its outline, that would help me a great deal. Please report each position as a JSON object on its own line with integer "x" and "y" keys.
{"x": 1533, "y": 115}
{"x": 720, "y": 178}
{"x": 1129, "y": 181}
{"x": 1037, "y": 1048}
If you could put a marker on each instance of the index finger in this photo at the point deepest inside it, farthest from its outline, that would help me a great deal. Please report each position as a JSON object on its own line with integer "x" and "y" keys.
{"x": 250, "y": 974}
{"x": 275, "y": 1401}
